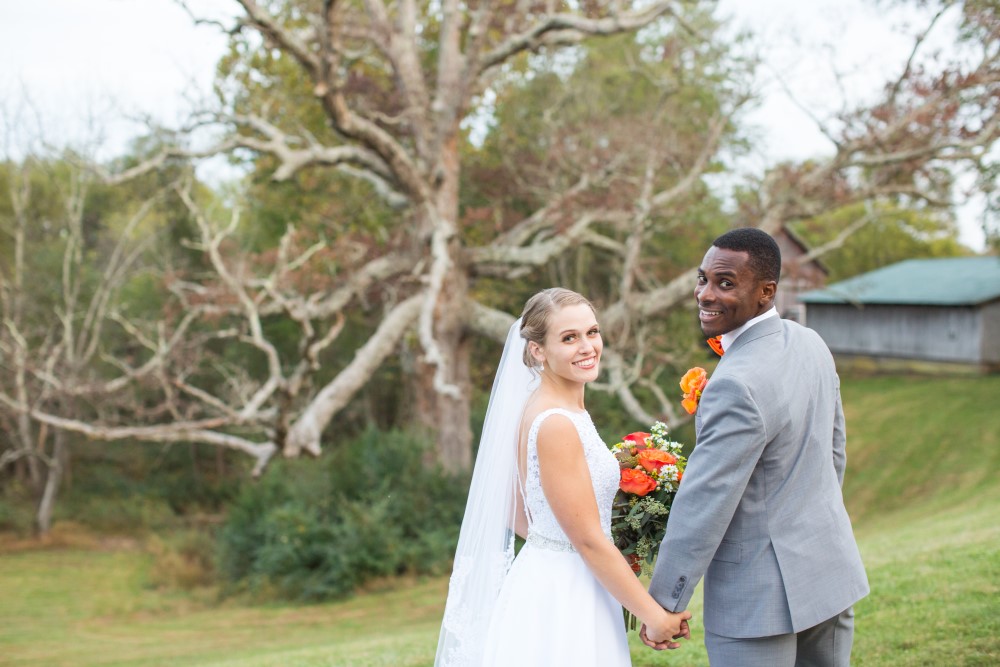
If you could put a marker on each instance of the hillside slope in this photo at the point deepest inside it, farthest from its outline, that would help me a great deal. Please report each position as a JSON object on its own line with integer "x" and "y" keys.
{"x": 922, "y": 486}
{"x": 923, "y": 489}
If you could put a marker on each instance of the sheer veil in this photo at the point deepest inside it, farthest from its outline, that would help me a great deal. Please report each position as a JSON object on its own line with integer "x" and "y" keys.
{"x": 486, "y": 542}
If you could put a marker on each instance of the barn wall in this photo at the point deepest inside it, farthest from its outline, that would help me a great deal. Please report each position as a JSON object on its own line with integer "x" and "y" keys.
{"x": 990, "y": 318}
{"x": 918, "y": 332}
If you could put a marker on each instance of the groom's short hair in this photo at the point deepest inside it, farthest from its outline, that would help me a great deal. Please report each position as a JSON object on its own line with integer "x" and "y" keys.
{"x": 765, "y": 256}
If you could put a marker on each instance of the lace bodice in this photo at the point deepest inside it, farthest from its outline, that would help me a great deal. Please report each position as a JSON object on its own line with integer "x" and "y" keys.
{"x": 604, "y": 475}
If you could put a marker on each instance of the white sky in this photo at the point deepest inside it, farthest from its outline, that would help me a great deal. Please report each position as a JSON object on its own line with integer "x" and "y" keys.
{"x": 88, "y": 65}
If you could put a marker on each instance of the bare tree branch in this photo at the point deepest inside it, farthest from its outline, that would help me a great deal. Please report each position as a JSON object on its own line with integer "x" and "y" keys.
{"x": 305, "y": 433}
{"x": 571, "y": 29}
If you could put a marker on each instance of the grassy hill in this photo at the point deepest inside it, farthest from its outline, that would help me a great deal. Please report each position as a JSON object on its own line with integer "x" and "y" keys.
{"x": 922, "y": 486}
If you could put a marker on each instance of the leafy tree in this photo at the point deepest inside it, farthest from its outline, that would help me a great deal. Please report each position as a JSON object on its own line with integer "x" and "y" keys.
{"x": 437, "y": 162}
{"x": 889, "y": 235}
{"x": 74, "y": 269}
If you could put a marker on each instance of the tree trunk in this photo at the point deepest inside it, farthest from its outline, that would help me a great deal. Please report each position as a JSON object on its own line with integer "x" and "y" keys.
{"x": 447, "y": 413}
{"x": 53, "y": 480}
{"x": 26, "y": 442}
{"x": 446, "y": 416}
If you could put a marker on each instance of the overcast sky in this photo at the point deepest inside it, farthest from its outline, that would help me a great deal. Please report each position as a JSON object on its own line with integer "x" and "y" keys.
{"x": 87, "y": 64}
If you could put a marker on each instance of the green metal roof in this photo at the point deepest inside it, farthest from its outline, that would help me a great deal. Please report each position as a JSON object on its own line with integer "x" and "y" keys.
{"x": 953, "y": 281}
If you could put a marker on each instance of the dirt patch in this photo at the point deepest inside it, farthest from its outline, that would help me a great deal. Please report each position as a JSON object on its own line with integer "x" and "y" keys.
{"x": 66, "y": 535}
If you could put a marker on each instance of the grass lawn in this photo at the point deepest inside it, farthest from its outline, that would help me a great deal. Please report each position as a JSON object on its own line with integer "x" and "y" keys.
{"x": 923, "y": 487}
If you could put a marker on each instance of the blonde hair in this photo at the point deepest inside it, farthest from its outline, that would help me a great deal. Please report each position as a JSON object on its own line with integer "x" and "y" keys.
{"x": 537, "y": 314}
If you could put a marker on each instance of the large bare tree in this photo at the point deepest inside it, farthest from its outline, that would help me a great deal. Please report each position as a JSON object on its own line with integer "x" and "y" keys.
{"x": 396, "y": 85}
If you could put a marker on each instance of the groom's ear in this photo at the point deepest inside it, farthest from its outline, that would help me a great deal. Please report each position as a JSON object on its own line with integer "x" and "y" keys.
{"x": 767, "y": 292}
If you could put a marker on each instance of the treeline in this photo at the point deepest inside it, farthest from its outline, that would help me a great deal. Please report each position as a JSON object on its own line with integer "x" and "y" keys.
{"x": 165, "y": 343}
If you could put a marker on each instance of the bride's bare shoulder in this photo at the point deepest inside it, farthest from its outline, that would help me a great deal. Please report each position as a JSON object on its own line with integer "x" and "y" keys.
{"x": 536, "y": 408}
{"x": 556, "y": 428}
{"x": 555, "y": 425}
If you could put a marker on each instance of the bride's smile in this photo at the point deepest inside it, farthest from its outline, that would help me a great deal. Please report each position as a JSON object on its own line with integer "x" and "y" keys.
{"x": 573, "y": 345}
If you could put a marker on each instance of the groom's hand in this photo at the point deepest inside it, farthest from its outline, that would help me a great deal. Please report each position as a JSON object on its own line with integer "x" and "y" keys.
{"x": 678, "y": 628}
{"x": 683, "y": 633}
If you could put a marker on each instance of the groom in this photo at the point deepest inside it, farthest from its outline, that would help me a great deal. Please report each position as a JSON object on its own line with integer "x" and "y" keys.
{"x": 760, "y": 513}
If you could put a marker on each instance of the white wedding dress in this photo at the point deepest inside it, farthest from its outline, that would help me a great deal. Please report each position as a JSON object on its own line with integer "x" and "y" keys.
{"x": 551, "y": 610}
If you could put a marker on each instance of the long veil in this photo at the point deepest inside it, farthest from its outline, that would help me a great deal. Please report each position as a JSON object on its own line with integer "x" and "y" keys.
{"x": 486, "y": 542}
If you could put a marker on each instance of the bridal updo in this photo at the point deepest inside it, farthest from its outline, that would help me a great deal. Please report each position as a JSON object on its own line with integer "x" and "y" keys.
{"x": 538, "y": 312}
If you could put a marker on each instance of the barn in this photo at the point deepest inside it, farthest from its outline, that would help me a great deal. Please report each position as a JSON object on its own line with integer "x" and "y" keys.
{"x": 916, "y": 314}
{"x": 799, "y": 273}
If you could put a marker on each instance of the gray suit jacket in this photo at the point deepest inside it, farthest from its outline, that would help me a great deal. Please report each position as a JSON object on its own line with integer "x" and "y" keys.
{"x": 760, "y": 513}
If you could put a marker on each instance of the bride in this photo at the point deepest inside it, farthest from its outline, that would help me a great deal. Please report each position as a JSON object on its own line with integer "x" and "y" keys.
{"x": 543, "y": 472}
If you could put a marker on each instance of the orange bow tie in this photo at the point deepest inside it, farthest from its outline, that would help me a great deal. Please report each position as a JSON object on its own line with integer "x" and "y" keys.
{"x": 716, "y": 345}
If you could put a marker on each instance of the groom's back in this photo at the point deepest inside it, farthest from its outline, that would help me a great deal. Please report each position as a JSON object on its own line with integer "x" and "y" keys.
{"x": 792, "y": 514}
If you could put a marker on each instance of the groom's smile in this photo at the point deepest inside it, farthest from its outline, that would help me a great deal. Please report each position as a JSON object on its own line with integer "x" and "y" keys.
{"x": 729, "y": 293}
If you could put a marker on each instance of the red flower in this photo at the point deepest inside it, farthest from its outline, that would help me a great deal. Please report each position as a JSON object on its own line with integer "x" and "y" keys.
{"x": 637, "y": 440}
{"x": 654, "y": 459}
{"x": 636, "y": 481}
{"x": 634, "y": 563}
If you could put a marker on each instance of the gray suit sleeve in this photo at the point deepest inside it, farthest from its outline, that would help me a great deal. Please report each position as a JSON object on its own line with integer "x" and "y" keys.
{"x": 730, "y": 443}
{"x": 839, "y": 440}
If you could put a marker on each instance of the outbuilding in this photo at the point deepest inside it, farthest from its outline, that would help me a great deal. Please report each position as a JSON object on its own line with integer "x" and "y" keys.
{"x": 916, "y": 314}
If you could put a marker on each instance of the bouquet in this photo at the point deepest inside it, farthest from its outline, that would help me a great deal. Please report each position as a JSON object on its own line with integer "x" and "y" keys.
{"x": 651, "y": 470}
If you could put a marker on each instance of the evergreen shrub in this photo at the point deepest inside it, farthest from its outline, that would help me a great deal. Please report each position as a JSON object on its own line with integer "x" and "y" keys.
{"x": 316, "y": 530}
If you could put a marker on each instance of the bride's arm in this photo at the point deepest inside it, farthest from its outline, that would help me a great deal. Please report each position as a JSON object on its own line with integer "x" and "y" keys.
{"x": 568, "y": 489}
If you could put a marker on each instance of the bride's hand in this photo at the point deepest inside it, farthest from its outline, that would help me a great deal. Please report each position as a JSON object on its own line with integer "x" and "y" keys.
{"x": 671, "y": 627}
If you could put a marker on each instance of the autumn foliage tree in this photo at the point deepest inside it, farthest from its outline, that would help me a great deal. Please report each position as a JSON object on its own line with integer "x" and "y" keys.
{"x": 415, "y": 170}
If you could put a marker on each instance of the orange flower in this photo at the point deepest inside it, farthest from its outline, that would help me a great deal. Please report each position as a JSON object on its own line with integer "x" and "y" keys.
{"x": 694, "y": 380}
{"x": 716, "y": 345}
{"x": 636, "y": 481}
{"x": 680, "y": 473}
{"x": 637, "y": 440}
{"x": 692, "y": 384}
{"x": 654, "y": 459}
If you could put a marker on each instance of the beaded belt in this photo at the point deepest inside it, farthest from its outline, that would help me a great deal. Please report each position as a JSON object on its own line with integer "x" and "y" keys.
{"x": 542, "y": 542}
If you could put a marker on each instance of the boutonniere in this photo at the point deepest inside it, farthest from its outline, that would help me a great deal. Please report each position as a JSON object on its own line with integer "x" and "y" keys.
{"x": 692, "y": 384}
{"x": 716, "y": 344}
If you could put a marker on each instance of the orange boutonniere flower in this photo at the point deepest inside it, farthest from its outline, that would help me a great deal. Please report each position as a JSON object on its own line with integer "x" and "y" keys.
{"x": 716, "y": 344}
{"x": 692, "y": 384}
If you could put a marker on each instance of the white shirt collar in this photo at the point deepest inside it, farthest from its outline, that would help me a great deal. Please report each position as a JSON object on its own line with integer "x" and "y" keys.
{"x": 730, "y": 337}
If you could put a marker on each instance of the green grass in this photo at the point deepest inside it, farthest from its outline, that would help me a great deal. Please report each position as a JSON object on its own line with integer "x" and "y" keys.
{"x": 922, "y": 487}
{"x": 91, "y": 607}
{"x": 919, "y": 442}
{"x": 935, "y": 578}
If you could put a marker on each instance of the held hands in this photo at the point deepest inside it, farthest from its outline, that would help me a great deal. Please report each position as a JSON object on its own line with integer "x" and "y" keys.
{"x": 675, "y": 626}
